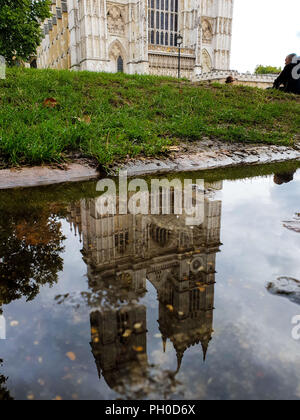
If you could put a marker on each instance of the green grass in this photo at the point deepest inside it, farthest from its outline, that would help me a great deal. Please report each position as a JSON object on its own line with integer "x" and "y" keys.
{"x": 131, "y": 115}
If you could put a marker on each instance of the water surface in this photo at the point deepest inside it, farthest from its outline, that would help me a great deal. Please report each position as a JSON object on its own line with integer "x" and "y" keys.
{"x": 144, "y": 306}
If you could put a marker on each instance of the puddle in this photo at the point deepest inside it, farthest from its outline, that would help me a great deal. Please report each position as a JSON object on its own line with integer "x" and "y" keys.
{"x": 144, "y": 306}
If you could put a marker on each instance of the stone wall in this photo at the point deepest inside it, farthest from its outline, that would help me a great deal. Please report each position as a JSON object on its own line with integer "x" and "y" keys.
{"x": 245, "y": 79}
{"x": 54, "y": 50}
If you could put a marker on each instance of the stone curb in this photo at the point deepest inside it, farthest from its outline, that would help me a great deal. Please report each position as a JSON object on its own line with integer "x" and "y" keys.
{"x": 194, "y": 157}
{"x": 210, "y": 155}
{"x": 43, "y": 175}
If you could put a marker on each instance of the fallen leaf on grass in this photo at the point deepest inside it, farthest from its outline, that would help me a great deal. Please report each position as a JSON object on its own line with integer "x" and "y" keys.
{"x": 50, "y": 103}
{"x": 85, "y": 119}
{"x": 173, "y": 148}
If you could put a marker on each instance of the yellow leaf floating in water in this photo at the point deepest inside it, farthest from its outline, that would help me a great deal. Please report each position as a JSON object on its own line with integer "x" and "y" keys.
{"x": 30, "y": 397}
{"x": 71, "y": 356}
{"x": 127, "y": 333}
{"x": 202, "y": 289}
{"x": 138, "y": 349}
{"x": 170, "y": 307}
{"x": 14, "y": 323}
{"x": 58, "y": 398}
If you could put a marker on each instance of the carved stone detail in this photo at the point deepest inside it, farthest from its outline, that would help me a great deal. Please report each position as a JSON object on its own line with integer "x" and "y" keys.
{"x": 206, "y": 62}
{"x": 115, "y": 20}
{"x": 116, "y": 50}
{"x": 207, "y": 31}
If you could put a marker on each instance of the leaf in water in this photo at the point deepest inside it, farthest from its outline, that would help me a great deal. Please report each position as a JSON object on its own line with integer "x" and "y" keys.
{"x": 14, "y": 323}
{"x": 170, "y": 307}
{"x": 67, "y": 377}
{"x": 127, "y": 333}
{"x": 138, "y": 349}
{"x": 72, "y": 356}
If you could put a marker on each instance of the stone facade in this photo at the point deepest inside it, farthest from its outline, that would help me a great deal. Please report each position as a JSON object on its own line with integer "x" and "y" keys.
{"x": 139, "y": 36}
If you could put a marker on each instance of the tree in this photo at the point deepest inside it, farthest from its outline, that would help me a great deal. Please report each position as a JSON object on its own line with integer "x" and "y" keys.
{"x": 20, "y": 27}
{"x": 267, "y": 70}
{"x": 30, "y": 247}
{"x": 4, "y": 393}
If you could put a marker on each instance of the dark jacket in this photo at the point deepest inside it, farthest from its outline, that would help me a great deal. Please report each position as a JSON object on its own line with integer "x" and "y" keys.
{"x": 290, "y": 84}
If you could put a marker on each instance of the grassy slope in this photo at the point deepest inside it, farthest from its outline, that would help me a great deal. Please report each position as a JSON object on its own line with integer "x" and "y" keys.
{"x": 131, "y": 115}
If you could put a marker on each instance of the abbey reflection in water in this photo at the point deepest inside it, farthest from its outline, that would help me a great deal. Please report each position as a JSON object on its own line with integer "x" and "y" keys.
{"x": 122, "y": 252}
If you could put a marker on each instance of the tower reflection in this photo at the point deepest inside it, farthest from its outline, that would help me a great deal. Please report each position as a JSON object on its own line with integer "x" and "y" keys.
{"x": 122, "y": 253}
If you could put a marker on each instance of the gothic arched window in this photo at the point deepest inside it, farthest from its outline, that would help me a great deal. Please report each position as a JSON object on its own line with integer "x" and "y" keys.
{"x": 163, "y": 18}
{"x": 120, "y": 65}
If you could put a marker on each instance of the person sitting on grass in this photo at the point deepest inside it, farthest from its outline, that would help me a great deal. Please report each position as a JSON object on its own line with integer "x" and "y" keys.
{"x": 230, "y": 80}
{"x": 289, "y": 79}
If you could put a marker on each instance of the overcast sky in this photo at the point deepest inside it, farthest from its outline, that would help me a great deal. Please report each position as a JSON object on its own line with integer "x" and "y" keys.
{"x": 264, "y": 32}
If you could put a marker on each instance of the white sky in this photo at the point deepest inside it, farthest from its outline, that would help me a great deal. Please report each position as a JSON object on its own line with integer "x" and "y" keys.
{"x": 264, "y": 32}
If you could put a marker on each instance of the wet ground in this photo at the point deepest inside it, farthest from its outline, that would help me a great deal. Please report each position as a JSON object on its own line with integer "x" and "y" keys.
{"x": 144, "y": 306}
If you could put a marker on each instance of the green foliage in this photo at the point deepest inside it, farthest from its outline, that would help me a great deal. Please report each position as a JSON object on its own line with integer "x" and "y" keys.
{"x": 20, "y": 32}
{"x": 4, "y": 393}
{"x": 31, "y": 242}
{"x": 267, "y": 70}
{"x": 112, "y": 116}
